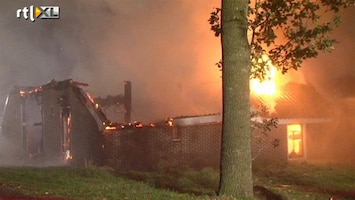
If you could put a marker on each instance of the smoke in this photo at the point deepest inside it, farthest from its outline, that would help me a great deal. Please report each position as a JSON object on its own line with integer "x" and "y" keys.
{"x": 164, "y": 47}
{"x": 333, "y": 74}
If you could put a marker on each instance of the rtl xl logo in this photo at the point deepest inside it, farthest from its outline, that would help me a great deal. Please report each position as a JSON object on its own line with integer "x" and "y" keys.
{"x": 41, "y": 12}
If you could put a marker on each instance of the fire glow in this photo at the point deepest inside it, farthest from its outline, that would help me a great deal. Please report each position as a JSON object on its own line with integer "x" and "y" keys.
{"x": 268, "y": 90}
{"x": 267, "y": 86}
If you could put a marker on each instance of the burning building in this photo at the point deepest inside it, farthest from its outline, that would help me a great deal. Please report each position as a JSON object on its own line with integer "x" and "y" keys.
{"x": 61, "y": 123}
{"x": 195, "y": 141}
{"x": 302, "y": 123}
{"x": 305, "y": 121}
{"x": 118, "y": 108}
{"x": 58, "y": 122}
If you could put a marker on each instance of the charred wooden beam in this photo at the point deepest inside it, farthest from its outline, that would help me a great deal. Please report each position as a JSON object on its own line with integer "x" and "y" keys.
{"x": 128, "y": 101}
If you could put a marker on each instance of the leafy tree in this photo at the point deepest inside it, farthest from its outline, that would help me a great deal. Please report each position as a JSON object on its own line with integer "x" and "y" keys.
{"x": 288, "y": 32}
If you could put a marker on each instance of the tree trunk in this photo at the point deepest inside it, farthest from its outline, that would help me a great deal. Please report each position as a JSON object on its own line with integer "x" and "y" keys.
{"x": 236, "y": 175}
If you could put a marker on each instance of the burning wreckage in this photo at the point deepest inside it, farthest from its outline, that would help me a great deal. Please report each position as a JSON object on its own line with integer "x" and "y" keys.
{"x": 58, "y": 122}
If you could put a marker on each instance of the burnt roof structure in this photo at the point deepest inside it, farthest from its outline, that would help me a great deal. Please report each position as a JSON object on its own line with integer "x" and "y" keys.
{"x": 57, "y": 121}
{"x": 299, "y": 101}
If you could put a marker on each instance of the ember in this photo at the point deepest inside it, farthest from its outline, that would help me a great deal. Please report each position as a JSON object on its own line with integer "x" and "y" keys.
{"x": 28, "y": 91}
{"x": 169, "y": 121}
{"x": 110, "y": 128}
{"x": 68, "y": 155}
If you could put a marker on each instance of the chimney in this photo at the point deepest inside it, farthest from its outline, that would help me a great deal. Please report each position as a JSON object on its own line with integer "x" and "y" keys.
{"x": 128, "y": 101}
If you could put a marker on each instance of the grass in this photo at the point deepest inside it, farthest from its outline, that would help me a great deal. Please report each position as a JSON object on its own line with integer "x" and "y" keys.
{"x": 293, "y": 181}
{"x": 77, "y": 183}
{"x": 307, "y": 181}
{"x": 204, "y": 182}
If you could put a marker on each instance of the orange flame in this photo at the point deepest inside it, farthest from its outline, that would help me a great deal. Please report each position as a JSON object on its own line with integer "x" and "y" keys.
{"x": 68, "y": 155}
{"x": 267, "y": 90}
{"x": 265, "y": 87}
{"x": 110, "y": 128}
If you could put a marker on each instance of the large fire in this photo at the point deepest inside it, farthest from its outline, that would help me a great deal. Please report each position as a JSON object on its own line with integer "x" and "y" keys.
{"x": 267, "y": 86}
{"x": 267, "y": 90}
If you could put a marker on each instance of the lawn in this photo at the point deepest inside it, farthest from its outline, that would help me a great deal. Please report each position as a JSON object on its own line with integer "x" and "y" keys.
{"x": 77, "y": 183}
{"x": 292, "y": 181}
{"x": 308, "y": 181}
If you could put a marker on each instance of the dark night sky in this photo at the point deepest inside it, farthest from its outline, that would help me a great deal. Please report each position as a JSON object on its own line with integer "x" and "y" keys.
{"x": 164, "y": 47}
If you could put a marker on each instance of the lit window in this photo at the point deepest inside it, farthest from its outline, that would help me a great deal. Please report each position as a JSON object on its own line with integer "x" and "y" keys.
{"x": 295, "y": 141}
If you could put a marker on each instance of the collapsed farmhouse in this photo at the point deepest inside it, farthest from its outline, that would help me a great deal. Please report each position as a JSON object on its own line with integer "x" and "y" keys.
{"x": 59, "y": 123}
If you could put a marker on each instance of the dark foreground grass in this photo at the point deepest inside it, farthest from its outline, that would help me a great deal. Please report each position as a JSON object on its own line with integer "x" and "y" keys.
{"x": 186, "y": 180}
{"x": 77, "y": 183}
{"x": 308, "y": 181}
{"x": 292, "y": 181}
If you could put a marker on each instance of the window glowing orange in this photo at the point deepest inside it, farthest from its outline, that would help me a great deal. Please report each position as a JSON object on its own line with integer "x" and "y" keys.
{"x": 295, "y": 141}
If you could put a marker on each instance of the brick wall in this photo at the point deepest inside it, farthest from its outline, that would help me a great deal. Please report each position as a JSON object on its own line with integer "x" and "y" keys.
{"x": 271, "y": 146}
{"x": 201, "y": 145}
{"x": 196, "y": 146}
{"x": 140, "y": 149}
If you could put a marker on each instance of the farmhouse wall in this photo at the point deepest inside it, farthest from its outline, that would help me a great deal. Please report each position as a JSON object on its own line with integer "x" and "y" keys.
{"x": 86, "y": 137}
{"x": 201, "y": 144}
{"x": 12, "y": 139}
{"x": 270, "y": 146}
{"x": 196, "y": 146}
{"x": 84, "y": 134}
{"x": 140, "y": 149}
{"x": 52, "y": 131}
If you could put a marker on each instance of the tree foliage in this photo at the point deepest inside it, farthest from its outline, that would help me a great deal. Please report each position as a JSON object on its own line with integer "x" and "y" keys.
{"x": 287, "y": 31}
